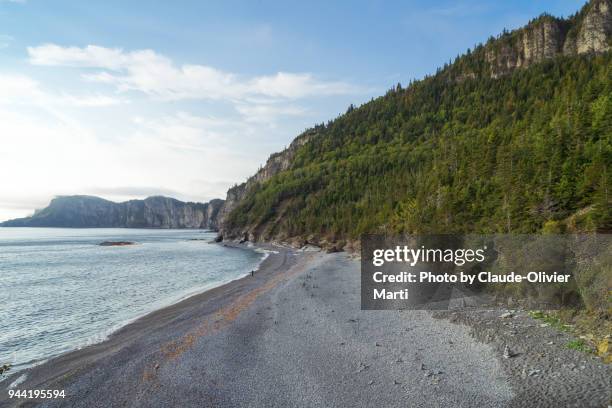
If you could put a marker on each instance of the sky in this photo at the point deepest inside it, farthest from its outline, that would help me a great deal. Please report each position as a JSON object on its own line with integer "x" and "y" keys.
{"x": 125, "y": 100}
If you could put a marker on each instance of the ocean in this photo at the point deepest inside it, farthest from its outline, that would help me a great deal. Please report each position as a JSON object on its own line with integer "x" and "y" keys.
{"x": 60, "y": 290}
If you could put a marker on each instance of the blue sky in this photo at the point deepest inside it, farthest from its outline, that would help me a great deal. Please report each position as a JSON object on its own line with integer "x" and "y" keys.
{"x": 185, "y": 98}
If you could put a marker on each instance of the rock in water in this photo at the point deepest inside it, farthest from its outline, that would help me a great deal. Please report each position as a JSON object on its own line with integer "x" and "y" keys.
{"x": 116, "y": 243}
{"x": 4, "y": 368}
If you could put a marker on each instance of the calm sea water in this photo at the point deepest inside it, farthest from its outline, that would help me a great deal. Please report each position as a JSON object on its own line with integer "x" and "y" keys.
{"x": 60, "y": 290}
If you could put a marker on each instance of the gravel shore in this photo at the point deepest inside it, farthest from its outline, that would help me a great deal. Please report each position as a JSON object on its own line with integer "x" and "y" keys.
{"x": 291, "y": 336}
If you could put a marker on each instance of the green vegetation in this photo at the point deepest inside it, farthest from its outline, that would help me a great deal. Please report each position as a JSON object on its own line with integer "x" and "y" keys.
{"x": 594, "y": 329}
{"x": 494, "y": 142}
{"x": 4, "y": 368}
{"x": 526, "y": 152}
{"x": 552, "y": 321}
{"x": 579, "y": 345}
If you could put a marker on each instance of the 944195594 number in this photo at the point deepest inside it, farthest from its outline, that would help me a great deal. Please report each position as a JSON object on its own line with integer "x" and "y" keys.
{"x": 36, "y": 394}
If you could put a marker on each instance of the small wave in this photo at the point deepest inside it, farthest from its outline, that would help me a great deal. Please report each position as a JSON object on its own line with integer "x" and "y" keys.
{"x": 105, "y": 335}
{"x": 266, "y": 253}
{"x": 99, "y": 335}
{"x": 18, "y": 381}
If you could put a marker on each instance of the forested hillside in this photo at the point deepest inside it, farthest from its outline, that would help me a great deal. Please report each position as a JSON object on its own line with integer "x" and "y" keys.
{"x": 473, "y": 148}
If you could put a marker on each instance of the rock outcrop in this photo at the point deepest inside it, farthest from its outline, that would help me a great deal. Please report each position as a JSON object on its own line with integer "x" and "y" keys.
{"x": 593, "y": 34}
{"x": 276, "y": 163}
{"x": 588, "y": 31}
{"x": 95, "y": 212}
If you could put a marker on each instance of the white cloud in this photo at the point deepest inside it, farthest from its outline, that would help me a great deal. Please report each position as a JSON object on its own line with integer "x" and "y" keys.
{"x": 187, "y": 132}
{"x": 90, "y": 101}
{"x": 132, "y": 191}
{"x": 90, "y": 56}
{"x": 18, "y": 89}
{"x": 295, "y": 86}
{"x": 266, "y": 113}
{"x": 48, "y": 149}
{"x": 182, "y": 155}
{"x": 156, "y": 75}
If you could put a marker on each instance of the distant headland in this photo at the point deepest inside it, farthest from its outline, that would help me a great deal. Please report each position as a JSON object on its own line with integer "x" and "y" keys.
{"x": 82, "y": 211}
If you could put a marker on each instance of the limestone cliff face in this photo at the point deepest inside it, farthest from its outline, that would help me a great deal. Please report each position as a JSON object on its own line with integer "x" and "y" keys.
{"x": 276, "y": 163}
{"x": 212, "y": 214}
{"x": 594, "y": 31}
{"x": 94, "y": 212}
{"x": 542, "y": 39}
{"x": 589, "y": 31}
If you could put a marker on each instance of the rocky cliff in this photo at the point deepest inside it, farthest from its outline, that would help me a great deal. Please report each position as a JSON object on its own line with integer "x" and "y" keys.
{"x": 95, "y": 212}
{"x": 276, "y": 163}
{"x": 588, "y": 31}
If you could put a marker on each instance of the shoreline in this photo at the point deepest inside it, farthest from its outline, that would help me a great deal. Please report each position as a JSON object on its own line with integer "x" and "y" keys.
{"x": 100, "y": 337}
{"x": 89, "y": 353}
{"x": 294, "y": 335}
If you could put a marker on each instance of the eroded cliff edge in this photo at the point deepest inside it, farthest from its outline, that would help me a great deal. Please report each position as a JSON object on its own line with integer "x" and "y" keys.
{"x": 547, "y": 37}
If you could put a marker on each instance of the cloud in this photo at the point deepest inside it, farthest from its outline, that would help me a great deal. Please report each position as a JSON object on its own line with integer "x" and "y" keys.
{"x": 182, "y": 129}
{"x": 158, "y": 76}
{"x": 90, "y": 101}
{"x": 48, "y": 149}
{"x": 90, "y": 56}
{"x": 295, "y": 86}
{"x": 48, "y": 153}
{"x": 132, "y": 191}
{"x": 267, "y": 113}
{"x": 18, "y": 89}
